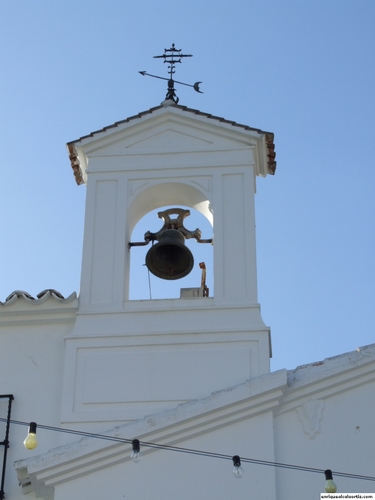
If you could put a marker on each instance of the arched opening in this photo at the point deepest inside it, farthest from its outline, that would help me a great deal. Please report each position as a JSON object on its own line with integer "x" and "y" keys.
{"x": 143, "y": 284}
{"x": 173, "y": 194}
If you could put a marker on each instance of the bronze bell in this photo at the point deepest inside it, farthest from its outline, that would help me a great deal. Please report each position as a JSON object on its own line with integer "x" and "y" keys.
{"x": 170, "y": 259}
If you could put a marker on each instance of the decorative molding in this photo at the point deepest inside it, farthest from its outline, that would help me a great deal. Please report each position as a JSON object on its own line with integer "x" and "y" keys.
{"x": 327, "y": 378}
{"x": 310, "y": 414}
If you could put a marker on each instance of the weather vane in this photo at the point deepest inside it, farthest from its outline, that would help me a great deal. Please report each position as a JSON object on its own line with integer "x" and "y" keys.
{"x": 172, "y": 56}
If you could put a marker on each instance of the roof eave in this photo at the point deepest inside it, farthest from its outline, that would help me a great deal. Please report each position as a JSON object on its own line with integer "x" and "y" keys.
{"x": 76, "y": 158}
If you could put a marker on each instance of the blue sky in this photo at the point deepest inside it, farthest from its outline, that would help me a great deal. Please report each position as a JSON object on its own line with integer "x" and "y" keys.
{"x": 303, "y": 70}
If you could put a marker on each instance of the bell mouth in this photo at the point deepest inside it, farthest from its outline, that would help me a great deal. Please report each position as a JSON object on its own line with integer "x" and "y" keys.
{"x": 170, "y": 259}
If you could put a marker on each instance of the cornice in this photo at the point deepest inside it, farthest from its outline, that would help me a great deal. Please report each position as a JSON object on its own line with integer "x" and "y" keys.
{"x": 327, "y": 378}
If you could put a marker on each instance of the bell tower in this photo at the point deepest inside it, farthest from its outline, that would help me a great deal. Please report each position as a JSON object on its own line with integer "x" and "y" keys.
{"x": 181, "y": 349}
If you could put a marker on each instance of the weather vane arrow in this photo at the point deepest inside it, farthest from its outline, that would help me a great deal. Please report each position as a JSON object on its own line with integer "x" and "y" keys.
{"x": 195, "y": 85}
{"x": 172, "y": 56}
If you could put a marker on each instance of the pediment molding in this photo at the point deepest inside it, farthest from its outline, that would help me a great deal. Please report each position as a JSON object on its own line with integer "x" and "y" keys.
{"x": 169, "y": 130}
{"x": 170, "y": 134}
{"x": 176, "y": 114}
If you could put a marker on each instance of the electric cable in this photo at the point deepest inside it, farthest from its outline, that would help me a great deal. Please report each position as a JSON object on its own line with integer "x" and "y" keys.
{"x": 193, "y": 451}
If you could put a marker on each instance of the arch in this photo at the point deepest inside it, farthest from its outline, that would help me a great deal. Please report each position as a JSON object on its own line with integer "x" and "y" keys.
{"x": 164, "y": 194}
{"x": 143, "y": 285}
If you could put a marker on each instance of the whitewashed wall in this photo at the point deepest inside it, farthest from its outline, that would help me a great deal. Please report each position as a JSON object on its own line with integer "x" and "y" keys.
{"x": 186, "y": 372}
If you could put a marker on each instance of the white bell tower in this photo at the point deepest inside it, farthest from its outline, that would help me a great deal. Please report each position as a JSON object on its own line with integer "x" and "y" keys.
{"x": 126, "y": 359}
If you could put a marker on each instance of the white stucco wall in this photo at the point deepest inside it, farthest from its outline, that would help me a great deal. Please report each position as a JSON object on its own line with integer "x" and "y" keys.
{"x": 319, "y": 416}
{"x": 32, "y": 340}
{"x": 330, "y": 423}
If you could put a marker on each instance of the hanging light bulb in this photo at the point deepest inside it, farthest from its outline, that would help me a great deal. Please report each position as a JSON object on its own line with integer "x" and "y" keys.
{"x": 136, "y": 454}
{"x": 238, "y": 471}
{"x": 330, "y": 486}
{"x": 31, "y": 441}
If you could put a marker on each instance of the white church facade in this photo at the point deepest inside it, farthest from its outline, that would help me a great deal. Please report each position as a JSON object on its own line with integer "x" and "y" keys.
{"x": 188, "y": 377}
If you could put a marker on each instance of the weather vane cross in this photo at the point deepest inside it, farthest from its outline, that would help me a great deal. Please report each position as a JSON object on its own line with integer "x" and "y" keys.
{"x": 172, "y": 56}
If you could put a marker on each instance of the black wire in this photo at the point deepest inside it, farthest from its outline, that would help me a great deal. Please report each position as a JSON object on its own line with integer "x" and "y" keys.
{"x": 193, "y": 451}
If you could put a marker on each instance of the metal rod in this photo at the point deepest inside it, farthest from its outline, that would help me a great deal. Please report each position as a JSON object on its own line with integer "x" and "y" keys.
{"x": 195, "y": 86}
{"x": 5, "y": 443}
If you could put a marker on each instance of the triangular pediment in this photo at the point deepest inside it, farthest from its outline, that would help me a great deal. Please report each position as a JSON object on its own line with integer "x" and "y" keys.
{"x": 168, "y": 133}
{"x": 164, "y": 139}
{"x": 169, "y": 139}
{"x": 172, "y": 130}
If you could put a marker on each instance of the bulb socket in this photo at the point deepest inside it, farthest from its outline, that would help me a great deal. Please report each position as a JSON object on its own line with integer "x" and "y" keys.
{"x": 236, "y": 461}
{"x": 328, "y": 474}
{"x": 136, "y": 446}
{"x": 32, "y": 427}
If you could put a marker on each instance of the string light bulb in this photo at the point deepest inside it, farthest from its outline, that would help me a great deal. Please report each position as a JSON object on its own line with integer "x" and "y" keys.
{"x": 330, "y": 486}
{"x": 31, "y": 441}
{"x": 136, "y": 454}
{"x": 238, "y": 471}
